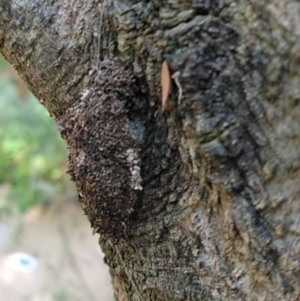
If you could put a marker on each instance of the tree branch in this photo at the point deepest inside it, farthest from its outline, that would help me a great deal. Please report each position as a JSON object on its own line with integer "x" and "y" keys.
{"x": 214, "y": 213}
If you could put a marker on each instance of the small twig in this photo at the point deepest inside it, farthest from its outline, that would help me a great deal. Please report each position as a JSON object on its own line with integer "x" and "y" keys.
{"x": 175, "y": 76}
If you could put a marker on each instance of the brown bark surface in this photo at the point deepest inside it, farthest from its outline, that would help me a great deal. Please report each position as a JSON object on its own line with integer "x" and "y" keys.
{"x": 201, "y": 201}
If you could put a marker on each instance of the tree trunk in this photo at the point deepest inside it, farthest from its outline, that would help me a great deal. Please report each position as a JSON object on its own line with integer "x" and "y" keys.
{"x": 195, "y": 195}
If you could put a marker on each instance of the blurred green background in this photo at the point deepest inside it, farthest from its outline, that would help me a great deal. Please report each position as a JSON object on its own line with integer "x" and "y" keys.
{"x": 39, "y": 213}
{"x": 32, "y": 154}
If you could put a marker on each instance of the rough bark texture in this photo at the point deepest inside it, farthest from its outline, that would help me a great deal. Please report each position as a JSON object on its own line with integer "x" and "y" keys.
{"x": 197, "y": 203}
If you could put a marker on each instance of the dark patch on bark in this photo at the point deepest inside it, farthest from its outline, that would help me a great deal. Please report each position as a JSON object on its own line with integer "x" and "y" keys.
{"x": 119, "y": 153}
{"x": 104, "y": 149}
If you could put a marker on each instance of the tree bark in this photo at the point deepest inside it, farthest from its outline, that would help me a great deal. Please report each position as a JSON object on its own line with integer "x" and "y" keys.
{"x": 196, "y": 202}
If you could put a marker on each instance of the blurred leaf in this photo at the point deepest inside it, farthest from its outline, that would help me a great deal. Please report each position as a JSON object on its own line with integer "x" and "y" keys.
{"x": 2, "y": 62}
{"x": 31, "y": 149}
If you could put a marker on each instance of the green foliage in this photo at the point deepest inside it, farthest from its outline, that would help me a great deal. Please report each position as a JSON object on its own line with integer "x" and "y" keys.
{"x": 62, "y": 295}
{"x": 32, "y": 154}
{"x": 2, "y": 63}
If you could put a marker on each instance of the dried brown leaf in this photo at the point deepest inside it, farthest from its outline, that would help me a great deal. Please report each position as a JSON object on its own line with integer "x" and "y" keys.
{"x": 165, "y": 77}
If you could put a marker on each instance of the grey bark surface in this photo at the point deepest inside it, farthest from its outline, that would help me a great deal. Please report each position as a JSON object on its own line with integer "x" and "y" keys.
{"x": 200, "y": 202}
